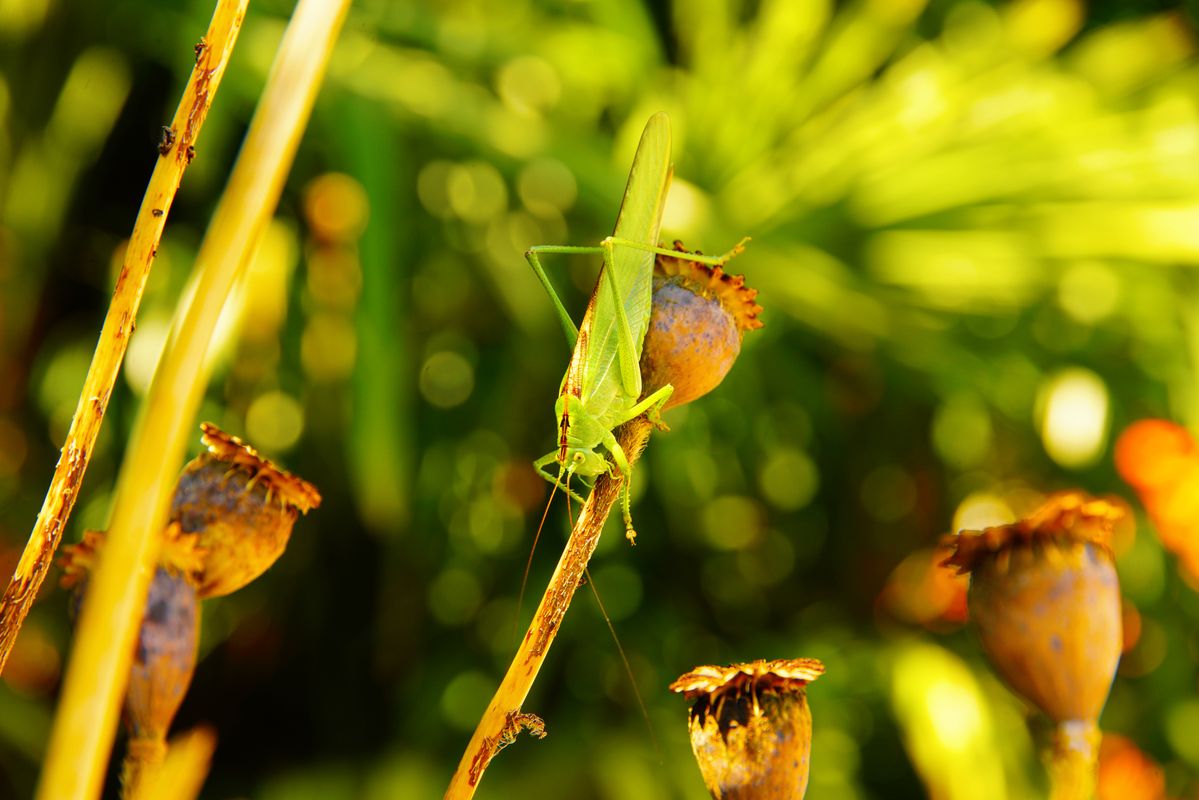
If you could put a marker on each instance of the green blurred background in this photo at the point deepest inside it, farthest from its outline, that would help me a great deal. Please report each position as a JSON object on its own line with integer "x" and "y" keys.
{"x": 975, "y": 227}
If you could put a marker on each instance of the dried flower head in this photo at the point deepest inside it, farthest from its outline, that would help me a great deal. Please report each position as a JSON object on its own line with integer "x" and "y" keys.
{"x": 1045, "y": 600}
{"x": 751, "y": 729}
{"x": 1064, "y": 517}
{"x": 697, "y": 320}
{"x": 241, "y": 508}
{"x": 165, "y": 657}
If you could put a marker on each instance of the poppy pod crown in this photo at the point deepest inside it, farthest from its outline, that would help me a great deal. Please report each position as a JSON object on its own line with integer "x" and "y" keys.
{"x": 751, "y": 729}
{"x": 713, "y": 282}
{"x": 241, "y": 509}
{"x": 699, "y": 315}
{"x": 1045, "y": 600}
{"x": 1061, "y": 519}
{"x": 289, "y": 490}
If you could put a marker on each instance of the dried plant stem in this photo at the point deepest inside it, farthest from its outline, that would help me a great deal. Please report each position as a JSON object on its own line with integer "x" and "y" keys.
{"x": 496, "y": 727}
{"x": 85, "y": 722}
{"x": 1073, "y": 758}
{"x": 175, "y": 153}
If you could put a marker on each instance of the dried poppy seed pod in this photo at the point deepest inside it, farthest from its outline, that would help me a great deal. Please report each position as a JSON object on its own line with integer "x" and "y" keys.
{"x": 164, "y": 658}
{"x": 163, "y": 664}
{"x": 242, "y": 509}
{"x": 1045, "y": 600}
{"x": 751, "y": 729}
{"x": 698, "y": 317}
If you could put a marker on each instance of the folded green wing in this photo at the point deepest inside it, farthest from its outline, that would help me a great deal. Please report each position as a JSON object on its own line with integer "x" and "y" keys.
{"x": 639, "y": 221}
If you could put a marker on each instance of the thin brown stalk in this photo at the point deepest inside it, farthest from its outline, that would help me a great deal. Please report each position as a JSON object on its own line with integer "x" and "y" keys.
{"x": 503, "y": 718}
{"x": 176, "y": 151}
{"x": 85, "y": 722}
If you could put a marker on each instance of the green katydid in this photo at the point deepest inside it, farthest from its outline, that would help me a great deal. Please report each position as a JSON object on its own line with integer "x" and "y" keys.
{"x": 602, "y": 386}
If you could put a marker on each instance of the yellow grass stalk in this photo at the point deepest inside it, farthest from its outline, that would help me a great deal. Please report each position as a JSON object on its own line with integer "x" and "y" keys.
{"x": 85, "y": 722}
{"x": 175, "y": 153}
{"x": 503, "y": 720}
{"x": 182, "y": 774}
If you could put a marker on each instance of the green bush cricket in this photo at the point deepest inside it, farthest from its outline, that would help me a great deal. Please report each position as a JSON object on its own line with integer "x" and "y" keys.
{"x": 602, "y": 386}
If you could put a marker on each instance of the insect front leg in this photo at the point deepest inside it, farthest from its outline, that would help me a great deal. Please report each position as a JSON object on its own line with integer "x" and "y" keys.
{"x": 622, "y": 464}
{"x": 552, "y": 458}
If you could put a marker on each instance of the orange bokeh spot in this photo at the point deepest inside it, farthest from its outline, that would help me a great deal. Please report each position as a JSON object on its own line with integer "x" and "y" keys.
{"x": 1126, "y": 773}
{"x": 1160, "y": 459}
{"x": 1149, "y": 452}
{"x": 920, "y": 590}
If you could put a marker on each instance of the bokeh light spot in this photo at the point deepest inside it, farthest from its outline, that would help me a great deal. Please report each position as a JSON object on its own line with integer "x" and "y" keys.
{"x": 1181, "y": 723}
{"x": 547, "y": 187}
{"x": 731, "y": 522}
{"x": 454, "y": 596}
{"x": 1074, "y": 420}
{"x": 432, "y": 188}
{"x": 528, "y": 85}
{"x": 1088, "y": 291}
{"x": 336, "y": 207}
{"x": 329, "y": 347}
{"x": 465, "y": 698}
{"x": 447, "y": 379}
{"x": 275, "y": 421}
{"x": 686, "y": 207}
{"x": 962, "y": 431}
{"x": 980, "y": 510}
{"x": 770, "y": 562}
{"x": 788, "y": 479}
{"x": 476, "y": 191}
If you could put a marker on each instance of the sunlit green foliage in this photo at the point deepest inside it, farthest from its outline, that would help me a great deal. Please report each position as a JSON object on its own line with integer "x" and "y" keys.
{"x": 974, "y": 230}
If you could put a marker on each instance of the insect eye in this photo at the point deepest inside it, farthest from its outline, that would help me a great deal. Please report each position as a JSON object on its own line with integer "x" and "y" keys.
{"x": 578, "y": 457}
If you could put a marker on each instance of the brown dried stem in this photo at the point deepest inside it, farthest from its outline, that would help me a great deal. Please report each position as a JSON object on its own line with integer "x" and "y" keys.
{"x": 175, "y": 152}
{"x": 503, "y": 717}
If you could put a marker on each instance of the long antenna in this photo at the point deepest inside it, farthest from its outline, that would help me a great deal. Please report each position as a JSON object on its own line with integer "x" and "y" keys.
{"x": 524, "y": 581}
{"x": 628, "y": 668}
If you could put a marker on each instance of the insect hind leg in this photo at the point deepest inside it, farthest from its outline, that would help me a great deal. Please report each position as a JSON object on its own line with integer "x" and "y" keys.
{"x": 652, "y": 406}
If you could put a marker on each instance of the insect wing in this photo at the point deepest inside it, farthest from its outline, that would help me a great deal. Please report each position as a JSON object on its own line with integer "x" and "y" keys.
{"x": 639, "y": 220}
